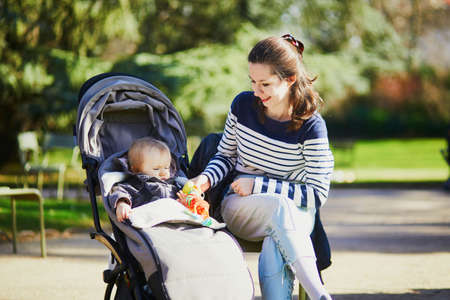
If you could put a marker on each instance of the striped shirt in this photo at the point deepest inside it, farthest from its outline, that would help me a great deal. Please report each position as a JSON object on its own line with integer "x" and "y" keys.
{"x": 296, "y": 164}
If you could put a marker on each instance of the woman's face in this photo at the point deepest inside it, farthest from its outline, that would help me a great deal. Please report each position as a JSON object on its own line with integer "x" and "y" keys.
{"x": 273, "y": 91}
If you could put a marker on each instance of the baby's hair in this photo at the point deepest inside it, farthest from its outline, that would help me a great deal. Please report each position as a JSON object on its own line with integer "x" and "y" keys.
{"x": 137, "y": 149}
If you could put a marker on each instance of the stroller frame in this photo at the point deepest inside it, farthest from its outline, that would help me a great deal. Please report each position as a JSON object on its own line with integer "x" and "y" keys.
{"x": 126, "y": 275}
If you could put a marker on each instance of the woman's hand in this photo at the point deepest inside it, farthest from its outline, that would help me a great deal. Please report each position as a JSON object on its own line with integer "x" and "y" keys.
{"x": 182, "y": 198}
{"x": 243, "y": 186}
{"x": 123, "y": 211}
{"x": 202, "y": 182}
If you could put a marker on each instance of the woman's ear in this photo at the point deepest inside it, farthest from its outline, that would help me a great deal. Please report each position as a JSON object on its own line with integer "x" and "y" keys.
{"x": 291, "y": 79}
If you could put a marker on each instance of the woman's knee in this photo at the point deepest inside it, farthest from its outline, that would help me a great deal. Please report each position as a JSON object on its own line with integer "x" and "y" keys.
{"x": 270, "y": 260}
{"x": 259, "y": 207}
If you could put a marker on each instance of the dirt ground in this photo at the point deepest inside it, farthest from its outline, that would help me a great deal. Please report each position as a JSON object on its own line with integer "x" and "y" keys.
{"x": 386, "y": 244}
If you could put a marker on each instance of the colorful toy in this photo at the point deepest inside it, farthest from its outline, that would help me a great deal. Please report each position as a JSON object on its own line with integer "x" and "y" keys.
{"x": 194, "y": 200}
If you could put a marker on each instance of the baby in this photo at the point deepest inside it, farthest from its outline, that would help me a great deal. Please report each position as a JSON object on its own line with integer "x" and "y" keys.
{"x": 150, "y": 163}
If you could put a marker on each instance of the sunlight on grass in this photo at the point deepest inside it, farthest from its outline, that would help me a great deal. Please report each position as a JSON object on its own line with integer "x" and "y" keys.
{"x": 391, "y": 160}
{"x": 58, "y": 215}
{"x": 392, "y": 175}
{"x": 408, "y": 154}
{"x": 396, "y": 160}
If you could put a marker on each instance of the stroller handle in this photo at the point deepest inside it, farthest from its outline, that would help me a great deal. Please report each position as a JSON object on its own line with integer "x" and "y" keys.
{"x": 90, "y": 165}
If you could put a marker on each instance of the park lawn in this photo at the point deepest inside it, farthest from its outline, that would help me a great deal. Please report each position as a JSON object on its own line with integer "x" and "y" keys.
{"x": 381, "y": 160}
{"x": 405, "y": 154}
{"x": 59, "y": 215}
{"x": 392, "y": 160}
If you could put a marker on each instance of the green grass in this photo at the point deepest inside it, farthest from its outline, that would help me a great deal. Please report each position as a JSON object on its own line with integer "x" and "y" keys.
{"x": 383, "y": 160}
{"x": 393, "y": 160}
{"x": 57, "y": 215}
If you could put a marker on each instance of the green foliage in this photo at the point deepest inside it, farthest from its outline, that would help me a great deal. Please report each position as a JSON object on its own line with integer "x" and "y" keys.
{"x": 200, "y": 86}
{"x": 413, "y": 104}
{"x": 46, "y": 50}
{"x": 266, "y": 14}
{"x": 359, "y": 50}
{"x": 201, "y": 82}
{"x": 347, "y": 43}
{"x": 329, "y": 35}
{"x": 77, "y": 26}
{"x": 32, "y": 86}
{"x": 339, "y": 76}
{"x": 332, "y": 26}
{"x": 170, "y": 26}
{"x": 358, "y": 117}
{"x": 41, "y": 92}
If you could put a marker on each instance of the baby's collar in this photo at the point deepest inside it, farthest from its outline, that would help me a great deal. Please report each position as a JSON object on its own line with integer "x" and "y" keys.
{"x": 145, "y": 177}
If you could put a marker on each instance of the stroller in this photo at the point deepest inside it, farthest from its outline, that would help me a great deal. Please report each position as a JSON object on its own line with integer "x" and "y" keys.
{"x": 155, "y": 255}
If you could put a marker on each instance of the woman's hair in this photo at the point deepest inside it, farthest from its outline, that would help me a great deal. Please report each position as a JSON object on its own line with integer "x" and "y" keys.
{"x": 139, "y": 147}
{"x": 284, "y": 56}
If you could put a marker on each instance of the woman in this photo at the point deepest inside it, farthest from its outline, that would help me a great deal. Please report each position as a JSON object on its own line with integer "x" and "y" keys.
{"x": 277, "y": 143}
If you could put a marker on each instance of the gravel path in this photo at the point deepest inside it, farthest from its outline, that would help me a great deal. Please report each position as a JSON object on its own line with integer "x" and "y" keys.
{"x": 386, "y": 244}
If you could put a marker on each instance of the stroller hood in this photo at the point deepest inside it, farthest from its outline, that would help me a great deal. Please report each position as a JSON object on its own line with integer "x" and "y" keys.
{"x": 118, "y": 109}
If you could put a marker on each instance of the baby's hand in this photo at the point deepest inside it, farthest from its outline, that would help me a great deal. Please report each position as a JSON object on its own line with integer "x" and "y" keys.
{"x": 243, "y": 186}
{"x": 123, "y": 211}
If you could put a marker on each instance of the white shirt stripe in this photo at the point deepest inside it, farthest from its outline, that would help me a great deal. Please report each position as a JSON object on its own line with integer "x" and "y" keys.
{"x": 285, "y": 188}
{"x": 258, "y": 184}
{"x": 272, "y": 186}
{"x": 297, "y": 195}
{"x": 311, "y": 200}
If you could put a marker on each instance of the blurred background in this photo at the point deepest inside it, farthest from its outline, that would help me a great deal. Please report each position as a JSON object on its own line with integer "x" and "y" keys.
{"x": 382, "y": 68}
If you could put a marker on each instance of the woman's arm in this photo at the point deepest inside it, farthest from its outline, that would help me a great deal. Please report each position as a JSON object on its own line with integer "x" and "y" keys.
{"x": 311, "y": 187}
{"x": 312, "y": 190}
{"x": 225, "y": 159}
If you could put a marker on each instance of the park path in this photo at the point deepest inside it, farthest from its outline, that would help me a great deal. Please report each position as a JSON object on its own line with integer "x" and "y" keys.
{"x": 386, "y": 244}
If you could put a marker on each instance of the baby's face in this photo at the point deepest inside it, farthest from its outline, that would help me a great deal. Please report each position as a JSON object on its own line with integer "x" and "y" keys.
{"x": 157, "y": 164}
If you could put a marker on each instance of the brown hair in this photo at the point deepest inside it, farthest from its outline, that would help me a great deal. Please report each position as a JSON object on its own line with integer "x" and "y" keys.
{"x": 138, "y": 148}
{"x": 285, "y": 60}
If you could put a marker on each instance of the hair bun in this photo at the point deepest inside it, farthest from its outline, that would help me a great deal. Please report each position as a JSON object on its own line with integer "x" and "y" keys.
{"x": 297, "y": 44}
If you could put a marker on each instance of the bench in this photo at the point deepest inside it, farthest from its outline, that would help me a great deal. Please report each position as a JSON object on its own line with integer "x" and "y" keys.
{"x": 25, "y": 194}
{"x": 34, "y": 159}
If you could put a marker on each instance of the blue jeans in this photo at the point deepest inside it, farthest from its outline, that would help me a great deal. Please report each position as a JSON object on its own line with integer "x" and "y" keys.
{"x": 284, "y": 229}
{"x": 275, "y": 276}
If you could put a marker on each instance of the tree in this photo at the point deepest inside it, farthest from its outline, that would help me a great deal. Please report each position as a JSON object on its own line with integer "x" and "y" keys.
{"x": 48, "y": 47}
{"x": 29, "y": 30}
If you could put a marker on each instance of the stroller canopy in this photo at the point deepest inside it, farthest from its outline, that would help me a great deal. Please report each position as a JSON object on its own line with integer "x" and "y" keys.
{"x": 116, "y": 109}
